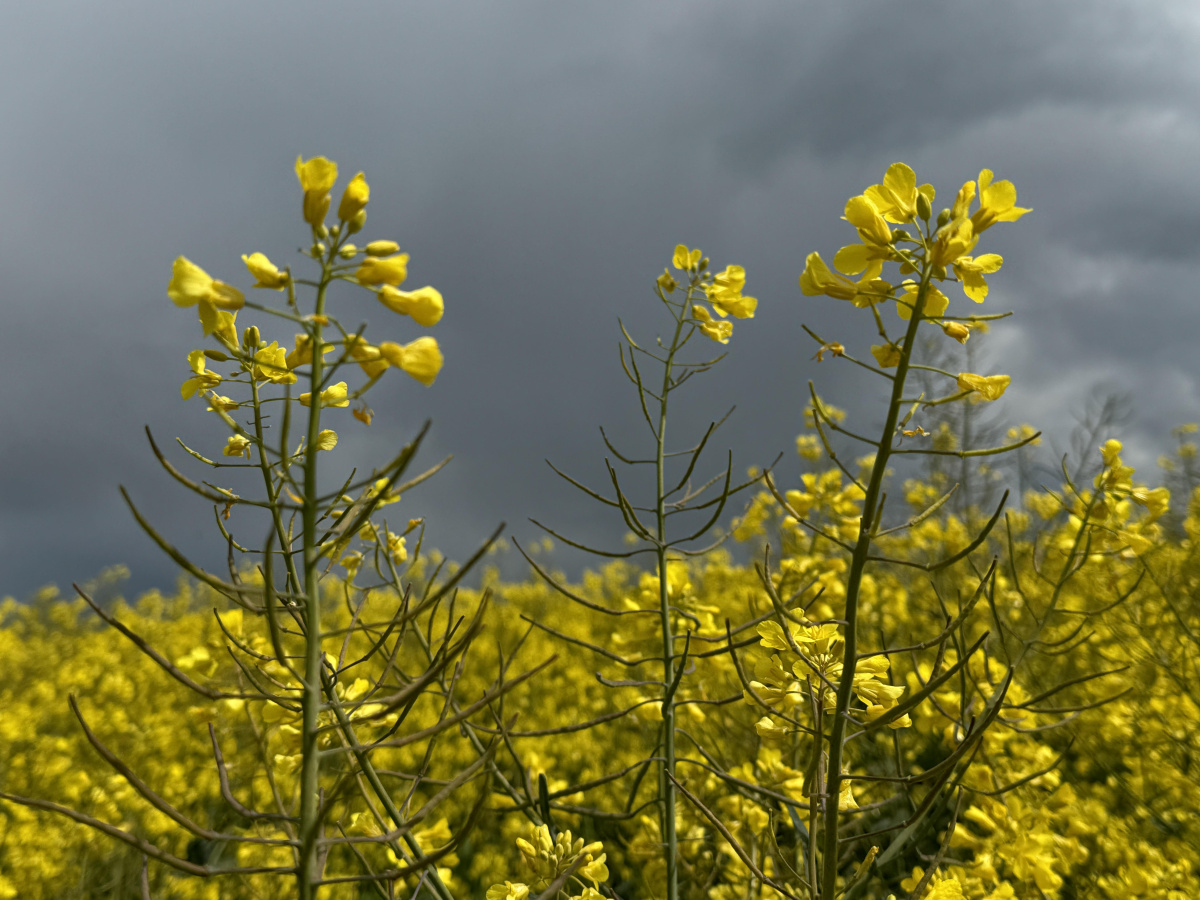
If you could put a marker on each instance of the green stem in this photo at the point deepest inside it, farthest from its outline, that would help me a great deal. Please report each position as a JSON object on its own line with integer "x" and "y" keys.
{"x": 666, "y": 787}
{"x": 308, "y": 871}
{"x": 858, "y": 563}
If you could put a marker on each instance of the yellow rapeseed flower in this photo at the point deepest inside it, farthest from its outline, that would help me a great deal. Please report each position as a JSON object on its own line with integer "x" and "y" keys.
{"x": 302, "y": 355}
{"x": 997, "y": 203}
{"x": 332, "y": 396}
{"x": 989, "y": 387}
{"x": 368, "y": 357}
{"x": 202, "y": 379}
{"x": 887, "y": 355}
{"x": 425, "y": 304}
{"x": 388, "y": 270}
{"x": 237, "y": 446}
{"x": 725, "y": 294}
{"x": 957, "y": 330}
{"x": 896, "y": 198}
{"x": 711, "y": 328}
{"x": 935, "y": 301}
{"x": 354, "y": 198}
{"x": 317, "y": 177}
{"x": 190, "y": 285}
{"x": 422, "y": 358}
{"x": 686, "y": 259}
{"x": 876, "y": 239}
{"x": 970, "y": 271}
{"x": 270, "y": 364}
{"x": 265, "y": 272}
{"x": 818, "y": 279}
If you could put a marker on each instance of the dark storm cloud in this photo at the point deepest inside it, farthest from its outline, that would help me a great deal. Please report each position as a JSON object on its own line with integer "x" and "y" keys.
{"x": 539, "y": 161}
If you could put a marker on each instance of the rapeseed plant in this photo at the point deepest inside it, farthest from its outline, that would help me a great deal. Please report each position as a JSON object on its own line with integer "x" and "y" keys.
{"x": 944, "y": 701}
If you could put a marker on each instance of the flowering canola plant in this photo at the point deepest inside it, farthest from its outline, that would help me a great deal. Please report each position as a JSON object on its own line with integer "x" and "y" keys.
{"x": 901, "y": 699}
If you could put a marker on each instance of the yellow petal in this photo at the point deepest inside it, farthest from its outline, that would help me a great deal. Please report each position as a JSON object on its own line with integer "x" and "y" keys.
{"x": 265, "y": 272}
{"x": 390, "y": 270}
{"x": 327, "y": 439}
{"x": 317, "y": 174}
{"x": 852, "y": 258}
{"x": 990, "y": 387}
{"x": 422, "y": 358}
{"x": 354, "y": 198}
{"x": 333, "y": 396}
{"x": 189, "y": 283}
{"x": 425, "y": 304}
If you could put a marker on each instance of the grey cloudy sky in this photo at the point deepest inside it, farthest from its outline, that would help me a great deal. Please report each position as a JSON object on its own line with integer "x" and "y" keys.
{"x": 540, "y": 161}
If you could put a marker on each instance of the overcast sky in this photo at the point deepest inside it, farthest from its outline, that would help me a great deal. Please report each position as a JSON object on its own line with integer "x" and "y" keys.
{"x": 540, "y": 161}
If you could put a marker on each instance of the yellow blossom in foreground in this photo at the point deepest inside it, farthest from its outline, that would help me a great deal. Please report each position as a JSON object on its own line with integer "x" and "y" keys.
{"x": 686, "y": 259}
{"x": 191, "y": 285}
{"x": 997, "y": 203}
{"x": 425, "y": 304}
{"x": 954, "y": 239}
{"x": 876, "y": 236}
{"x": 332, "y": 396}
{"x": 957, "y": 330}
{"x": 818, "y": 279}
{"x": 354, "y": 198}
{"x": 422, "y": 358}
{"x": 725, "y": 294}
{"x": 270, "y": 364}
{"x": 317, "y": 176}
{"x": 717, "y": 331}
{"x": 220, "y": 324}
{"x": 990, "y": 387}
{"x": 896, "y": 197}
{"x": 265, "y": 272}
{"x": 970, "y": 271}
{"x": 202, "y": 380}
{"x": 386, "y": 270}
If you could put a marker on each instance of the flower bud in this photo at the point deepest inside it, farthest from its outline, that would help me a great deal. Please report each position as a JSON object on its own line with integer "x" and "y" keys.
{"x": 335, "y": 230}
{"x": 957, "y": 330}
{"x": 382, "y": 248}
{"x": 250, "y": 338}
{"x": 317, "y": 250}
{"x": 943, "y": 218}
{"x": 348, "y": 251}
{"x": 899, "y": 234}
{"x": 216, "y": 355}
{"x": 322, "y": 230}
{"x": 924, "y": 207}
{"x": 354, "y": 198}
{"x": 355, "y": 225}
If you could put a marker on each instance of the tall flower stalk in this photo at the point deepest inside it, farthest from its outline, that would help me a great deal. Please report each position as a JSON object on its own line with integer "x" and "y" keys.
{"x": 326, "y": 688}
